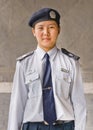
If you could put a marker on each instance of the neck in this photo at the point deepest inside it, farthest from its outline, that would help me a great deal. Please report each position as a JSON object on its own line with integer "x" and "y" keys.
{"x": 46, "y": 49}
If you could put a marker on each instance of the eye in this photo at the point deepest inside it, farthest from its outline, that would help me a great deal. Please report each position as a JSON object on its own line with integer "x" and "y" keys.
{"x": 40, "y": 28}
{"x": 51, "y": 27}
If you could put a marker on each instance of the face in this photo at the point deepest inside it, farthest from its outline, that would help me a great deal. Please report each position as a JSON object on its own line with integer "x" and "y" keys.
{"x": 46, "y": 33}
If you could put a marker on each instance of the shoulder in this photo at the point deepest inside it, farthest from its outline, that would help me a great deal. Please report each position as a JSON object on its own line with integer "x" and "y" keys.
{"x": 70, "y": 54}
{"x": 21, "y": 58}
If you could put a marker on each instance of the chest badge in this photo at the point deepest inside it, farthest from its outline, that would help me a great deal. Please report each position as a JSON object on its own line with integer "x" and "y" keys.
{"x": 64, "y": 70}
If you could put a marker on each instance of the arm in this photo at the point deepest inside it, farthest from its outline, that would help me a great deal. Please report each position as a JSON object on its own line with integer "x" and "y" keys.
{"x": 18, "y": 99}
{"x": 78, "y": 99}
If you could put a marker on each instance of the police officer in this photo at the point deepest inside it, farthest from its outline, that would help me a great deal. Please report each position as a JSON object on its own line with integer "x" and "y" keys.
{"x": 29, "y": 107}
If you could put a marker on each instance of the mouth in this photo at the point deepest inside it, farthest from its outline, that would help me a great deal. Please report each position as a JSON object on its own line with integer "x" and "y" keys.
{"x": 46, "y": 39}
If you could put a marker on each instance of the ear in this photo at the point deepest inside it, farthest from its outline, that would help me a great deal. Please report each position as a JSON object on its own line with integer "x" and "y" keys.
{"x": 59, "y": 30}
{"x": 33, "y": 31}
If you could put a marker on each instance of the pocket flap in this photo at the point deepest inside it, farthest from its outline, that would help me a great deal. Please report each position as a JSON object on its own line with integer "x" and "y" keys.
{"x": 63, "y": 76}
{"x": 31, "y": 77}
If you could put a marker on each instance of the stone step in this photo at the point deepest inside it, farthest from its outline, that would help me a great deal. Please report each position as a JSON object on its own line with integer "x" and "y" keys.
{"x": 5, "y": 87}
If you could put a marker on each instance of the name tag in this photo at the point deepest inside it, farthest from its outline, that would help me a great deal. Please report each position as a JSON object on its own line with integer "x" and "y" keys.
{"x": 64, "y": 70}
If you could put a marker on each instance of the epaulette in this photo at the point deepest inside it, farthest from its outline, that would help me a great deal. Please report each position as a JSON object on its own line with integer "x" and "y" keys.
{"x": 75, "y": 57}
{"x": 24, "y": 56}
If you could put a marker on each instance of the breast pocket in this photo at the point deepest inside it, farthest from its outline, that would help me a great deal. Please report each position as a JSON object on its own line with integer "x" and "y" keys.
{"x": 63, "y": 83}
{"x": 33, "y": 83}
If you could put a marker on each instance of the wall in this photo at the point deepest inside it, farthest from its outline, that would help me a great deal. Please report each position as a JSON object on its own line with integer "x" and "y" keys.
{"x": 16, "y": 37}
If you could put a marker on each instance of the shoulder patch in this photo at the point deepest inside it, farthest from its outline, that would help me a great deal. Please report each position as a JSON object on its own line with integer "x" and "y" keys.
{"x": 75, "y": 57}
{"x": 24, "y": 56}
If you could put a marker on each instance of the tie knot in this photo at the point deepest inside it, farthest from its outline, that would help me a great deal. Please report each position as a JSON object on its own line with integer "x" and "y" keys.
{"x": 46, "y": 56}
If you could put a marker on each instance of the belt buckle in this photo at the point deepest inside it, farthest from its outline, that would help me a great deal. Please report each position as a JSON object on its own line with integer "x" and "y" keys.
{"x": 46, "y": 123}
{"x": 59, "y": 122}
{"x": 55, "y": 123}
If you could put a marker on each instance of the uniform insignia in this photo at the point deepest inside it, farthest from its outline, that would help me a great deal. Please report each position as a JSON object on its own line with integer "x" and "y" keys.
{"x": 24, "y": 56}
{"x": 52, "y": 14}
{"x": 75, "y": 57}
{"x": 64, "y": 70}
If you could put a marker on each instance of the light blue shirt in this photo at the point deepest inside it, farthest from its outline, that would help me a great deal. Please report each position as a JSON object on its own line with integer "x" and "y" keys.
{"x": 26, "y": 99}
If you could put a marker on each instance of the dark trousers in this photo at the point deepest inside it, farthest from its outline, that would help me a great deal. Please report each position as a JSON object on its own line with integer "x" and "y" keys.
{"x": 42, "y": 126}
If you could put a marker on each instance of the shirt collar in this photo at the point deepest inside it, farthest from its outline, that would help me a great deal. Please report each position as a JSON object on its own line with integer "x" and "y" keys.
{"x": 40, "y": 52}
{"x": 52, "y": 53}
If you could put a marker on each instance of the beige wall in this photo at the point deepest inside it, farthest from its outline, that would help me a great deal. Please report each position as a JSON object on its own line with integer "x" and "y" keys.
{"x": 16, "y": 37}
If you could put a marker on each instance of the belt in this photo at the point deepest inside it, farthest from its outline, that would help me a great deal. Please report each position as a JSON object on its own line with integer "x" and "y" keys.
{"x": 58, "y": 122}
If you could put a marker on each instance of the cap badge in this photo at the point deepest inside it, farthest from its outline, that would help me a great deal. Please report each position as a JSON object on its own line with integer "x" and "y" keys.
{"x": 52, "y": 14}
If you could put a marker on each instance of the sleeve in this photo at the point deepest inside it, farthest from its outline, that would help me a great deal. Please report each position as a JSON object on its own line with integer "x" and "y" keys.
{"x": 78, "y": 98}
{"x": 18, "y": 99}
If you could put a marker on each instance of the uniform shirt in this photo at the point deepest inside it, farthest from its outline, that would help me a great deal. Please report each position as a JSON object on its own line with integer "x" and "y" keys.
{"x": 26, "y": 99}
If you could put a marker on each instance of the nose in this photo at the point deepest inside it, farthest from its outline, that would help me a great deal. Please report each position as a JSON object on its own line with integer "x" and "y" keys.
{"x": 46, "y": 31}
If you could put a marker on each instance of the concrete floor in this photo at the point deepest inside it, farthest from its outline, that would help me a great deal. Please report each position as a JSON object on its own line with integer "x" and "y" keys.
{"x": 4, "y": 108}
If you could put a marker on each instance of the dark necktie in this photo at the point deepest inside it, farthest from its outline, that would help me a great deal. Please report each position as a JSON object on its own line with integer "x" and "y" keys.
{"x": 48, "y": 97}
